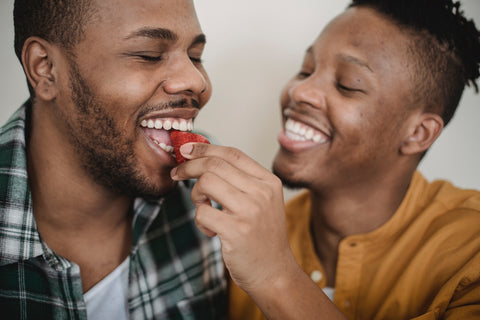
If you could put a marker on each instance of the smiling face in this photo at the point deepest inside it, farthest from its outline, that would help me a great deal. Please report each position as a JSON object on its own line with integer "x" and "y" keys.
{"x": 346, "y": 113}
{"x": 135, "y": 75}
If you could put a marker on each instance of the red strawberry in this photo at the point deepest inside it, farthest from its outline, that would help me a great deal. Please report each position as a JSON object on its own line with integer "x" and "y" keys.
{"x": 179, "y": 138}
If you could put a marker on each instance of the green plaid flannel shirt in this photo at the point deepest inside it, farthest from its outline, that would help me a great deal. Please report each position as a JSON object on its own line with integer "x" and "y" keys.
{"x": 175, "y": 271}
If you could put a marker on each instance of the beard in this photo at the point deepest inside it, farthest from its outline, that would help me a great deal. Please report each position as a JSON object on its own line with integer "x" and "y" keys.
{"x": 105, "y": 153}
{"x": 288, "y": 180}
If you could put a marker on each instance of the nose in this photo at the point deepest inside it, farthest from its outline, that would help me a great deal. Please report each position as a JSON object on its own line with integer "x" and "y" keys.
{"x": 308, "y": 91}
{"x": 186, "y": 77}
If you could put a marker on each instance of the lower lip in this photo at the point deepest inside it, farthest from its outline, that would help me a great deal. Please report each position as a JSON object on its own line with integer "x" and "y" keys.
{"x": 296, "y": 146}
{"x": 163, "y": 156}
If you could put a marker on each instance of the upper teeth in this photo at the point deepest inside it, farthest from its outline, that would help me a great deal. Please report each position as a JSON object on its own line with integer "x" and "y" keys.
{"x": 300, "y": 132}
{"x": 167, "y": 124}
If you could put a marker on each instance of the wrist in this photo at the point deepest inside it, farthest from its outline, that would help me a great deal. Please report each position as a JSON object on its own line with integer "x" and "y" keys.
{"x": 285, "y": 278}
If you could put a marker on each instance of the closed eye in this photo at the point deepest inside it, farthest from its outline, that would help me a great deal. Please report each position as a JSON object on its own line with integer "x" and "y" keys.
{"x": 145, "y": 56}
{"x": 303, "y": 75}
{"x": 150, "y": 58}
{"x": 196, "y": 60}
{"x": 349, "y": 89}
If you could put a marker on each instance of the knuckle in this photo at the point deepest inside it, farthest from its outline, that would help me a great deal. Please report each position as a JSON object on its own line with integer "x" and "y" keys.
{"x": 202, "y": 212}
{"x": 213, "y": 163}
{"x": 235, "y": 153}
{"x": 199, "y": 215}
{"x": 265, "y": 192}
{"x": 244, "y": 229}
{"x": 276, "y": 183}
{"x": 204, "y": 181}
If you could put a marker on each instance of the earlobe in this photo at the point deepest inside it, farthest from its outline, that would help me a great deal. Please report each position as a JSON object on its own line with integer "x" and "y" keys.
{"x": 423, "y": 134}
{"x": 38, "y": 65}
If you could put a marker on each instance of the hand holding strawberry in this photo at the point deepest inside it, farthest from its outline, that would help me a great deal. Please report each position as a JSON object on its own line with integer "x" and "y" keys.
{"x": 179, "y": 138}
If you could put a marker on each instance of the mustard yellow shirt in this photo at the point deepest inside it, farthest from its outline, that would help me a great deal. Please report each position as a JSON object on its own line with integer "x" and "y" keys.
{"x": 424, "y": 263}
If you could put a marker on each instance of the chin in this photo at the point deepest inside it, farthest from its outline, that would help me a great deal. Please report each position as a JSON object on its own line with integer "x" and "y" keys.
{"x": 155, "y": 189}
{"x": 136, "y": 185}
{"x": 290, "y": 182}
{"x": 289, "y": 176}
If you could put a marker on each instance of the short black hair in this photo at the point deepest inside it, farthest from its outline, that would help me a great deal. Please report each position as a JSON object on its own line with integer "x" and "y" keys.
{"x": 445, "y": 44}
{"x": 57, "y": 21}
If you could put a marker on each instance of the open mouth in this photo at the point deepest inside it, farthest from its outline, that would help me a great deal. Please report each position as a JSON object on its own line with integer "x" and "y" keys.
{"x": 299, "y": 131}
{"x": 158, "y": 130}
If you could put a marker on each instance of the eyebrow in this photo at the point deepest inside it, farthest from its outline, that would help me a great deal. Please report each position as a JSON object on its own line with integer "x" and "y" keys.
{"x": 164, "y": 34}
{"x": 354, "y": 60}
{"x": 200, "y": 39}
{"x": 154, "y": 33}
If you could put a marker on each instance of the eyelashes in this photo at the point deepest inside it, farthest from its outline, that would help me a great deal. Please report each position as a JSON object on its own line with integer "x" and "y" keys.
{"x": 149, "y": 58}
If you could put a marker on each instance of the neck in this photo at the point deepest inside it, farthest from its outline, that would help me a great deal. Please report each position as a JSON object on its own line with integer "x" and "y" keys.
{"x": 76, "y": 217}
{"x": 358, "y": 210}
{"x": 66, "y": 200}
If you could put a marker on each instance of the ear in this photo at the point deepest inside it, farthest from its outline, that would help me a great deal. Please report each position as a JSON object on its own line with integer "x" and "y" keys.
{"x": 425, "y": 129}
{"x": 38, "y": 63}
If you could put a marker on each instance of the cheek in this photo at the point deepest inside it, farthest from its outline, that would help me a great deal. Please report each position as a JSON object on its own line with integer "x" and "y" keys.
{"x": 122, "y": 91}
{"x": 353, "y": 122}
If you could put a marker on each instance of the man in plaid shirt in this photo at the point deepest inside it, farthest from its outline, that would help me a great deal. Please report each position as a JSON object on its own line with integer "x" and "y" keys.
{"x": 91, "y": 223}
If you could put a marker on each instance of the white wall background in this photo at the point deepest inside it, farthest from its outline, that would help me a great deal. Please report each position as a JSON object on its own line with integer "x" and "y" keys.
{"x": 253, "y": 48}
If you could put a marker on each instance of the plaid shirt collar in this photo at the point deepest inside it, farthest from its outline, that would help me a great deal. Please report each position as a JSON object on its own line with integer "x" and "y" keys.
{"x": 19, "y": 236}
{"x": 175, "y": 271}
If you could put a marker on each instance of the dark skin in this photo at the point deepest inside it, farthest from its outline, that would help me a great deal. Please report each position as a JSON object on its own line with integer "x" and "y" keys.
{"x": 134, "y": 61}
{"x": 368, "y": 141}
{"x": 361, "y": 170}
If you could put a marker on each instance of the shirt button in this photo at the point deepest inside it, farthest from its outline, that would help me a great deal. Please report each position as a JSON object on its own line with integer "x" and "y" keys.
{"x": 316, "y": 276}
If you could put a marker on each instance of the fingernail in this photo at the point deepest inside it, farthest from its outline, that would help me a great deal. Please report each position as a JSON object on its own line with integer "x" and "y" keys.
{"x": 173, "y": 173}
{"x": 186, "y": 149}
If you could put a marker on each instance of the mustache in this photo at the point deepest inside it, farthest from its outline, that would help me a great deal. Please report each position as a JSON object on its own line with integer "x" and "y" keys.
{"x": 181, "y": 103}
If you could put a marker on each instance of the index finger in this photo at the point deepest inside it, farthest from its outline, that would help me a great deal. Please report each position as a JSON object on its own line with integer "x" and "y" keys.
{"x": 233, "y": 156}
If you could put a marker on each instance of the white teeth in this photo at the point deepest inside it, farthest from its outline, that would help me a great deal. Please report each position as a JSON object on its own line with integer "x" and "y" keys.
{"x": 175, "y": 125}
{"x": 164, "y": 146}
{"x": 289, "y": 125}
{"x": 183, "y": 125}
{"x": 167, "y": 125}
{"x": 300, "y": 132}
{"x": 309, "y": 134}
{"x": 295, "y": 137}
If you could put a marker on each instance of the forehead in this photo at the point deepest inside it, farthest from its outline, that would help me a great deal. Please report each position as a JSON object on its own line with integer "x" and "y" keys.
{"x": 365, "y": 34}
{"x": 123, "y": 16}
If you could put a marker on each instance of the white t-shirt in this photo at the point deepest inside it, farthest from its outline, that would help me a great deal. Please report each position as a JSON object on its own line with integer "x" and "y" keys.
{"x": 329, "y": 292}
{"x": 108, "y": 299}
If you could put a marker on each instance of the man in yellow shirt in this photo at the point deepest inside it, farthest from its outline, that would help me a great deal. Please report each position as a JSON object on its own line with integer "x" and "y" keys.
{"x": 375, "y": 90}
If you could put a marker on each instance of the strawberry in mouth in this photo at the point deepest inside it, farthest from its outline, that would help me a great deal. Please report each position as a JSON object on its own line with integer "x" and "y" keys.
{"x": 179, "y": 138}
{"x": 158, "y": 130}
